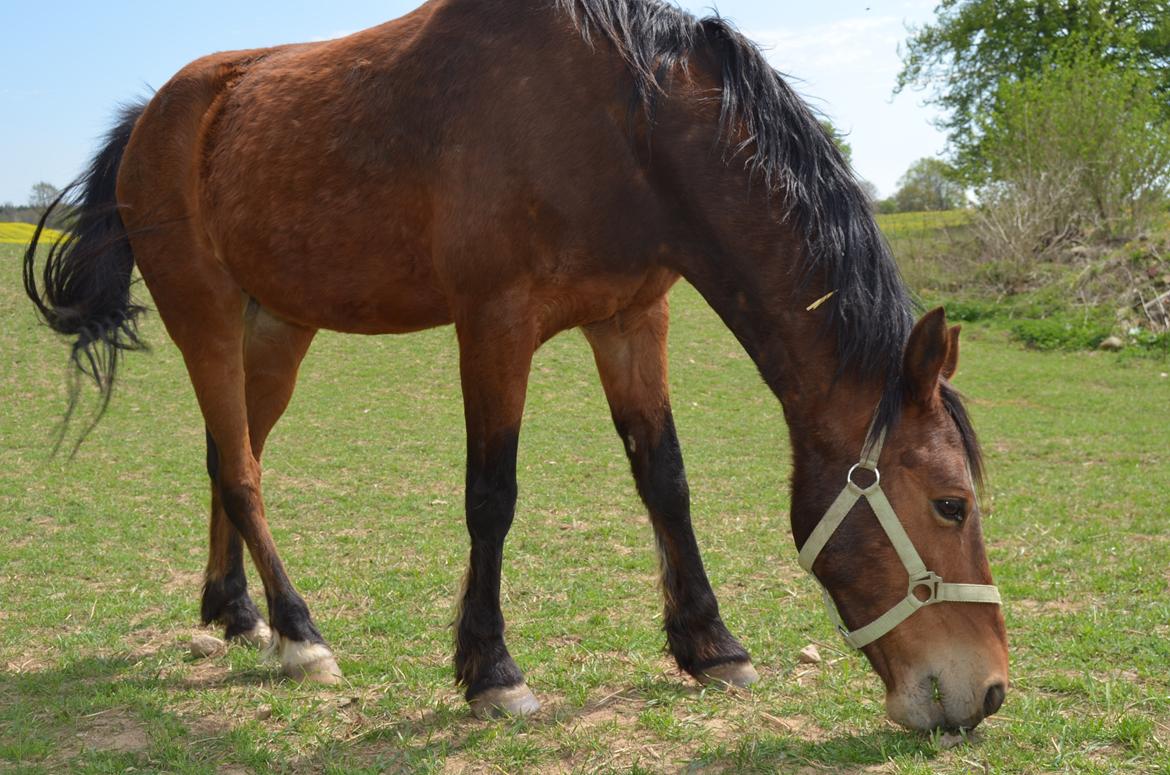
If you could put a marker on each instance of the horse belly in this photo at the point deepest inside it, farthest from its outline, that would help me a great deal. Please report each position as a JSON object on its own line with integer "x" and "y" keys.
{"x": 341, "y": 275}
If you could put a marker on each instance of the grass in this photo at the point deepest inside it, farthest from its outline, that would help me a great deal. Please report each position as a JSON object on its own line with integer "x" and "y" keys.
{"x": 902, "y": 226}
{"x": 100, "y": 562}
{"x": 936, "y": 250}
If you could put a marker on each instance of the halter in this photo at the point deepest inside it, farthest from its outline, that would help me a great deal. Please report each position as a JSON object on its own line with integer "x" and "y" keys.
{"x": 938, "y": 591}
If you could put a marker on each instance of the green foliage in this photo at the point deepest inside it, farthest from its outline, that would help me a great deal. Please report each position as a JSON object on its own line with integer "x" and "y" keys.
{"x": 974, "y": 46}
{"x": 1060, "y": 333}
{"x": 921, "y": 224}
{"x": 838, "y": 138}
{"x": 1151, "y": 341}
{"x": 1077, "y": 304}
{"x": 1083, "y": 147}
{"x": 972, "y": 310}
{"x": 929, "y": 184}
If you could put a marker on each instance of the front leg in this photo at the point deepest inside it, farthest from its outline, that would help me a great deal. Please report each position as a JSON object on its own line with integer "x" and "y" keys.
{"x": 630, "y": 350}
{"x": 495, "y": 357}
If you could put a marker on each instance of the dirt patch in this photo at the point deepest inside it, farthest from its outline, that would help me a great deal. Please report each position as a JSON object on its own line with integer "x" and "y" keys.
{"x": 801, "y": 727}
{"x": 184, "y": 580}
{"x": 111, "y": 731}
{"x": 149, "y": 641}
{"x": 205, "y": 674}
{"x": 616, "y": 711}
{"x": 1049, "y": 607}
{"x": 26, "y": 663}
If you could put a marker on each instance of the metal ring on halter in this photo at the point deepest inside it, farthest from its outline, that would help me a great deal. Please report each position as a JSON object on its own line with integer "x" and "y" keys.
{"x": 877, "y": 478}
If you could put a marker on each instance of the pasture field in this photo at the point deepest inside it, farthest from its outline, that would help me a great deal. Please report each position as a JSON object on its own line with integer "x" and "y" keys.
{"x": 936, "y": 250}
{"x": 101, "y": 560}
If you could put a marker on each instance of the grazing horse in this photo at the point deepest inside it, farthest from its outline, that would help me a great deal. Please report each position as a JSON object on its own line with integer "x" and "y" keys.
{"x": 519, "y": 168}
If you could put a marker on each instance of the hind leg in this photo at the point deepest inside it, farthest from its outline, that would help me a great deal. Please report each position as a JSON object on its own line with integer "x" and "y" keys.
{"x": 273, "y": 351}
{"x": 203, "y": 310}
{"x": 630, "y": 350}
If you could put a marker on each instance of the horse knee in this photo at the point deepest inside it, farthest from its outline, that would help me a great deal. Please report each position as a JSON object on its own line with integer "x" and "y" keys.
{"x": 242, "y": 504}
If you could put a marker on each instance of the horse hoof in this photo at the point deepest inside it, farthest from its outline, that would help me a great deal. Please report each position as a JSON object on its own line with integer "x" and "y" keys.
{"x": 307, "y": 661}
{"x": 737, "y": 674}
{"x": 321, "y": 671}
{"x": 257, "y": 637}
{"x": 505, "y": 701}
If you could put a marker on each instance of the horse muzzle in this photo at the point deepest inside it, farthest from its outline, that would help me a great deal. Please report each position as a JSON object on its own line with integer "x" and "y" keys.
{"x": 934, "y": 702}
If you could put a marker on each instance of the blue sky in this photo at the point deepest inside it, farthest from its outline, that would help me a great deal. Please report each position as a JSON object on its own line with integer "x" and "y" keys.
{"x": 65, "y": 65}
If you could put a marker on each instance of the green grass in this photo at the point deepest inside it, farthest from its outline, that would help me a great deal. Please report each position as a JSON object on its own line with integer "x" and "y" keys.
{"x": 897, "y": 226}
{"x": 100, "y": 562}
{"x": 936, "y": 250}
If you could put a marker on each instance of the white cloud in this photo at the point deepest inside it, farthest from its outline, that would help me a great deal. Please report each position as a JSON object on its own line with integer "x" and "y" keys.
{"x": 836, "y": 45}
{"x": 846, "y": 69}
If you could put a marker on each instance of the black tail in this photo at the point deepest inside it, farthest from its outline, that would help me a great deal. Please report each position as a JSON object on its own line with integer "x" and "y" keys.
{"x": 85, "y": 282}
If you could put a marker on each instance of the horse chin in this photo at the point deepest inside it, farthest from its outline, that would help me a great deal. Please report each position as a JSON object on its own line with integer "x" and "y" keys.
{"x": 931, "y": 703}
{"x": 918, "y": 712}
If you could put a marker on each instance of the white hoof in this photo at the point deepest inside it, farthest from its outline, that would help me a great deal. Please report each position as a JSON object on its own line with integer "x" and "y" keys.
{"x": 505, "y": 701}
{"x": 260, "y": 636}
{"x": 303, "y": 661}
{"x": 737, "y": 674}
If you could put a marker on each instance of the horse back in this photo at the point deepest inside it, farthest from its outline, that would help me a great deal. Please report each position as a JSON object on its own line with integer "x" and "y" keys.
{"x": 378, "y": 182}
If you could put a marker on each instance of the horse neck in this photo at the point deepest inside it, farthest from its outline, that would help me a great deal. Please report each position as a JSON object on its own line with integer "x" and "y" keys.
{"x": 828, "y": 411}
{"x": 749, "y": 263}
{"x": 760, "y": 294}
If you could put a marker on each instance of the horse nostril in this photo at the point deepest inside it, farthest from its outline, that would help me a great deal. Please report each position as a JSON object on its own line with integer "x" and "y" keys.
{"x": 993, "y": 699}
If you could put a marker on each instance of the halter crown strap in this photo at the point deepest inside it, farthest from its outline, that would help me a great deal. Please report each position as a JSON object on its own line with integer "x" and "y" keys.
{"x": 937, "y": 590}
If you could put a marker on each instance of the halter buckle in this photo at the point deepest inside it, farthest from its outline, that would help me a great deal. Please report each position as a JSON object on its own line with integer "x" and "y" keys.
{"x": 928, "y": 579}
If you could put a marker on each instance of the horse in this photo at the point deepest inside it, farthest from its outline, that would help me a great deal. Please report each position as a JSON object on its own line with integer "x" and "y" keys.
{"x": 518, "y": 168}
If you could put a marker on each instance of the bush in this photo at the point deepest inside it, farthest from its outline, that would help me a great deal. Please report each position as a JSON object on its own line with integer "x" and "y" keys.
{"x": 1060, "y": 333}
{"x": 1078, "y": 153}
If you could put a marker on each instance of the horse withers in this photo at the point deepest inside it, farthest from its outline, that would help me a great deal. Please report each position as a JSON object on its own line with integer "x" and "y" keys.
{"x": 518, "y": 168}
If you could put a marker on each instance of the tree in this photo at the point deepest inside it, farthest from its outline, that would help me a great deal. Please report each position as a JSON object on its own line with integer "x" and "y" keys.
{"x": 1081, "y": 150}
{"x": 975, "y": 45}
{"x": 929, "y": 184}
{"x": 42, "y": 195}
{"x": 838, "y": 139}
{"x": 871, "y": 191}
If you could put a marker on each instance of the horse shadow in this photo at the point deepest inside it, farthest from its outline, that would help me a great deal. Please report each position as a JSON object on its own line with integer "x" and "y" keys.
{"x": 112, "y": 710}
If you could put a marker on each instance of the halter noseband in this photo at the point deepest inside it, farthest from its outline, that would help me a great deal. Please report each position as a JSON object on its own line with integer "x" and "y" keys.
{"x": 938, "y": 591}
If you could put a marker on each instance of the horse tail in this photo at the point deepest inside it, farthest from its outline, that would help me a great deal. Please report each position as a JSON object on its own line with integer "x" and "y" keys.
{"x": 84, "y": 290}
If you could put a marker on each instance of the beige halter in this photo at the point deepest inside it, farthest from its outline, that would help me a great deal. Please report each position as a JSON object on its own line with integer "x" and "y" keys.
{"x": 938, "y": 591}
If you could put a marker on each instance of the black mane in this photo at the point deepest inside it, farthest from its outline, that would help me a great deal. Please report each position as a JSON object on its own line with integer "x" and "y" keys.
{"x": 870, "y": 313}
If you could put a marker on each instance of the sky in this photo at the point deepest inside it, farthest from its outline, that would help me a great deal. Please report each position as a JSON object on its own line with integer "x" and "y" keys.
{"x": 64, "y": 67}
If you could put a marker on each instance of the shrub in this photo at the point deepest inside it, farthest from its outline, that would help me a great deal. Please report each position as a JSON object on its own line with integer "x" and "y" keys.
{"x": 1080, "y": 152}
{"x": 1060, "y": 333}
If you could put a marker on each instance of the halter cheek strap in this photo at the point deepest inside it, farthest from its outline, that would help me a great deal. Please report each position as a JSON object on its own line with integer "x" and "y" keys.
{"x": 937, "y": 590}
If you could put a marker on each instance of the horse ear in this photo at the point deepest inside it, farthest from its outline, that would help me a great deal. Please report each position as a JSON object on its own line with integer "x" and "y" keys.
{"x": 951, "y": 364}
{"x": 927, "y": 354}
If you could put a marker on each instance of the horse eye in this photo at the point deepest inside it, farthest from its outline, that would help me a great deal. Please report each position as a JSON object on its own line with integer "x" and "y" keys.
{"x": 954, "y": 509}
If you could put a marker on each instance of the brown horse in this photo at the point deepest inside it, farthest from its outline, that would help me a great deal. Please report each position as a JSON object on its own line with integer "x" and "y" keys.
{"x": 519, "y": 168}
